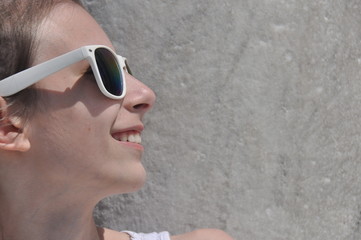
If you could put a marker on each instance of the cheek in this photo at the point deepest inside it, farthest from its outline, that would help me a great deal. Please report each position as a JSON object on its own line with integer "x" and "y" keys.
{"x": 75, "y": 150}
{"x": 72, "y": 133}
{"x": 72, "y": 142}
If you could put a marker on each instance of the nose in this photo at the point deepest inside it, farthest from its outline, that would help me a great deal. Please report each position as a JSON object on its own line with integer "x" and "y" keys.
{"x": 139, "y": 98}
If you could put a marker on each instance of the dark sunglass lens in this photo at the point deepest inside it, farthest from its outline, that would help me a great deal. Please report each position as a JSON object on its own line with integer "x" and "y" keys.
{"x": 109, "y": 71}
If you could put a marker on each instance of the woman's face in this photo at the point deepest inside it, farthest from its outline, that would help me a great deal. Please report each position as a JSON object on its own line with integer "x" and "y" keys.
{"x": 75, "y": 135}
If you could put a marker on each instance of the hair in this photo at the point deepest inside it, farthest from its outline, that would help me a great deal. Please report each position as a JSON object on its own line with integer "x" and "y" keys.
{"x": 19, "y": 24}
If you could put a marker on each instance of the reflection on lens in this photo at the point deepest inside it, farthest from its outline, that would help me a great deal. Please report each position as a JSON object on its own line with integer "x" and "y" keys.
{"x": 109, "y": 71}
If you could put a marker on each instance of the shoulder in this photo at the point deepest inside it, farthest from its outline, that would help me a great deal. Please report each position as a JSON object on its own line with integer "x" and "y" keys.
{"x": 203, "y": 234}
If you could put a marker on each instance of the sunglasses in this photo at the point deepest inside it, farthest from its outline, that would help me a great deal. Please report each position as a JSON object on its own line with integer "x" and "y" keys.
{"x": 108, "y": 69}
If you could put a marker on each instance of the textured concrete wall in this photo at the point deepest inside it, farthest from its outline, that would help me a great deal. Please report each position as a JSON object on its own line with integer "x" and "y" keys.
{"x": 257, "y": 125}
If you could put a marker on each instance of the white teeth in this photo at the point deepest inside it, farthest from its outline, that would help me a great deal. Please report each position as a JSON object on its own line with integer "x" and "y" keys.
{"x": 138, "y": 139}
{"x": 123, "y": 138}
{"x": 129, "y": 137}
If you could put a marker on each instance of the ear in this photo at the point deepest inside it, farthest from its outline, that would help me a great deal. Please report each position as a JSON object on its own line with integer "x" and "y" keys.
{"x": 12, "y": 134}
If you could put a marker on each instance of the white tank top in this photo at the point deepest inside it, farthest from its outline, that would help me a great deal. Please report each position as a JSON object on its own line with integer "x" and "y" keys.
{"x": 148, "y": 236}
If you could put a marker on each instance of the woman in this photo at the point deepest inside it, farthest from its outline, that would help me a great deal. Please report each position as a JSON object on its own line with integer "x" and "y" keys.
{"x": 69, "y": 135}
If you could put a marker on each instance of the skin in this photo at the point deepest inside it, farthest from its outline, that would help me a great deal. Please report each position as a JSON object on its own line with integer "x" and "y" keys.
{"x": 57, "y": 166}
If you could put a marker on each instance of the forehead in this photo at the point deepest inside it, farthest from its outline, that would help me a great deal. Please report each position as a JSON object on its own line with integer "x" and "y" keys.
{"x": 67, "y": 27}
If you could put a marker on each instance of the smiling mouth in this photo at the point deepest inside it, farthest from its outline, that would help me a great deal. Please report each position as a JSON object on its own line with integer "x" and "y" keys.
{"x": 132, "y": 136}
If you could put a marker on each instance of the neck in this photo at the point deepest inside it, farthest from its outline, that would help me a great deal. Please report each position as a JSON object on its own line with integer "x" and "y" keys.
{"x": 45, "y": 213}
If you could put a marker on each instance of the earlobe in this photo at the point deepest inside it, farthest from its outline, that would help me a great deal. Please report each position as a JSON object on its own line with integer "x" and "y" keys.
{"x": 12, "y": 134}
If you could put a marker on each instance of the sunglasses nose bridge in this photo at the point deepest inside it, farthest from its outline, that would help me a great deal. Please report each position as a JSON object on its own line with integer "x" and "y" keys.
{"x": 122, "y": 62}
{"x": 127, "y": 67}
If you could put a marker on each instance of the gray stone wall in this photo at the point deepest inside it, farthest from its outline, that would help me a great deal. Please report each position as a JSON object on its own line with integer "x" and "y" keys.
{"x": 257, "y": 128}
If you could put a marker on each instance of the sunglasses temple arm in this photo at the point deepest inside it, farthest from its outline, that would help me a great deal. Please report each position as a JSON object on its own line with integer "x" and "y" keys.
{"x": 26, "y": 78}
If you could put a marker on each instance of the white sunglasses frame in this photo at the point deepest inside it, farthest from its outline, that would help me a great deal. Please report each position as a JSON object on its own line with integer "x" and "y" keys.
{"x": 21, "y": 80}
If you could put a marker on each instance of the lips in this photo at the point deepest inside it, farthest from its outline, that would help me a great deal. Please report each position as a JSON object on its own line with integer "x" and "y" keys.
{"x": 128, "y": 136}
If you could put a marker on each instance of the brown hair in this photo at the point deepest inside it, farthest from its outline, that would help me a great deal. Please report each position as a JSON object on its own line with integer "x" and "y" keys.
{"x": 19, "y": 23}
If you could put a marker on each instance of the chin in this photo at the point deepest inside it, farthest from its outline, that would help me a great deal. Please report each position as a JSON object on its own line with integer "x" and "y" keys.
{"x": 135, "y": 188}
{"x": 136, "y": 183}
{"x": 126, "y": 182}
